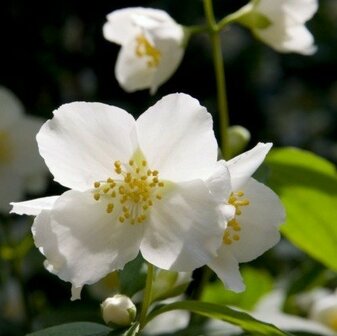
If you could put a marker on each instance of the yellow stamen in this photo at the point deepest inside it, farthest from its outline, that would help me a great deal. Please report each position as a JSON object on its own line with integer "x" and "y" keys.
{"x": 145, "y": 49}
{"x": 232, "y": 231}
{"x": 132, "y": 193}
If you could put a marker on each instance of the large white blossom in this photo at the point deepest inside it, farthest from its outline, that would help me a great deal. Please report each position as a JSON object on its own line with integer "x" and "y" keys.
{"x": 255, "y": 225}
{"x": 151, "y": 46}
{"x": 21, "y": 168}
{"x": 281, "y": 24}
{"x": 153, "y": 185}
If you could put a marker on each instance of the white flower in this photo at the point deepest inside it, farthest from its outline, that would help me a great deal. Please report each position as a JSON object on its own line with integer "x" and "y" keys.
{"x": 254, "y": 227}
{"x": 140, "y": 185}
{"x": 280, "y": 24}
{"x": 324, "y": 310}
{"x": 152, "y": 46}
{"x": 269, "y": 310}
{"x": 21, "y": 168}
{"x": 118, "y": 310}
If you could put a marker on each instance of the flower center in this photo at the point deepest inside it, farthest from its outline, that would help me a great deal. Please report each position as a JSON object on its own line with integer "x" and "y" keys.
{"x": 5, "y": 148}
{"x": 333, "y": 321}
{"x": 233, "y": 228}
{"x": 145, "y": 49}
{"x": 133, "y": 194}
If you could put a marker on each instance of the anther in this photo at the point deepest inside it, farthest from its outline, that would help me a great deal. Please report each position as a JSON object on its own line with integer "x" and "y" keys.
{"x": 97, "y": 196}
{"x": 144, "y": 163}
{"x": 131, "y": 162}
{"x": 109, "y": 208}
{"x": 97, "y": 184}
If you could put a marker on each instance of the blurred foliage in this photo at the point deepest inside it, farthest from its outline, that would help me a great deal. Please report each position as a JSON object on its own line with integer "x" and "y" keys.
{"x": 54, "y": 52}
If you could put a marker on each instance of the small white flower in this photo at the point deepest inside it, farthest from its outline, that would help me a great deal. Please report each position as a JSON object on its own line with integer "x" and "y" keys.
{"x": 254, "y": 227}
{"x": 281, "y": 24}
{"x": 118, "y": 310}
{"x": 21, "y": 168}
{"x": 269, "y": 310}
{"x": 142, "y": 185}
{"x": 324, "y": 310}
{"x": 151, "y": 46}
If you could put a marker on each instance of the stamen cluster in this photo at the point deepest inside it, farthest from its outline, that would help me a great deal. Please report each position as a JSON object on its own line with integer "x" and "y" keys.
{"x": 233, "y": 228}
{"x": 134, "y": 194}
{"x": 145, "y": 48}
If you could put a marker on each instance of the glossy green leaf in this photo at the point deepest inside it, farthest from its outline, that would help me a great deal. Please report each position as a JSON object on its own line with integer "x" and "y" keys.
{"x": 220, "y": 312}
{"x": 74, "y": 329}
{"x": 307, "y": 186}
{"x": 257, "y": 282}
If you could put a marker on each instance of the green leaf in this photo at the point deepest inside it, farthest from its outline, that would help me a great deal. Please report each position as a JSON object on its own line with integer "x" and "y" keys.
{"x": 132, "y": 277}
{"x": 307, "y": 186}
{"x": 258, "y": 283}
{"x": 220, "y": 312}
{"x": 74, "y": 329}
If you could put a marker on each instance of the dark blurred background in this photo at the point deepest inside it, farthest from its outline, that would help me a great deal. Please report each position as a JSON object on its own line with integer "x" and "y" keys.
{"x": 53, "y": 52}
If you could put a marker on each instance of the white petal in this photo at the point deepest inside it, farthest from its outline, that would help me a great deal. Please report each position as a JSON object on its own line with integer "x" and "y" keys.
{"x": 168, "y": 40}
{"x": 131, "y": 71}
{"x": 169, "y": 322}
{"x": 75, "y": 293}
{"x": 184, "y": 230}
{"x": 243, "y": 166}
{"x": 219, "y": 182}
{"x": 301, "y": 41}
{"x": 34, "y": 207}
{"x": 292, "y": 323}
{"x": 273, "y": 302}
{"x": 227, "y": 269}
{"x": 295, "y": 38}
{"x": 259, "y": 222}
{"x": 11, "y": 109}
{"x": 124, "y": 24}
{"x": 82, "y": 243}
{"x": 324, "y": 310}
{"x": 301, "y": 10}
{"x": 177, "y": 138}
{"x": 287, "y": 32}
{"x": 82, "y": 141}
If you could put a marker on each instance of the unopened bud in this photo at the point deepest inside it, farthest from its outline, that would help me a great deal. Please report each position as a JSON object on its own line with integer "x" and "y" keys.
{"x": 238, "y": 138}
{"x": 118, "y": 310}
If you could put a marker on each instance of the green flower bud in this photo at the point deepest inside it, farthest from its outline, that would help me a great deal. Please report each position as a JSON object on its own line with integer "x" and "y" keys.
{"x": 238, "y": 138}
{"x": 118, "y": 310}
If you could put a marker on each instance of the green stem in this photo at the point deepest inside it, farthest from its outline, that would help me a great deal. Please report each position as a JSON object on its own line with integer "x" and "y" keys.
{"x": 236, "y": 16}
{"x": 147, "y": 295}
{"x": 214, "y": 32}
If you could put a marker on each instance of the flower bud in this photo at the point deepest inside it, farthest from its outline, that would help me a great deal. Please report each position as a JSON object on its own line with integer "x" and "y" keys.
{"x": 238, "y": 138}
{"x": 118, "y": 310}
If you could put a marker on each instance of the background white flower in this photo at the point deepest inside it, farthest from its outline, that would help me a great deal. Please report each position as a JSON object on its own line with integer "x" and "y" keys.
{"x": 152, "y": 46}
{"x": 21, "y": 168}
{"x": 281, "y": 24}
{"x": 136, "y": 186}
{"x": 255, "y": 225}
{"x": 324, "y": 310}
{"x": 269, "y": 310}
